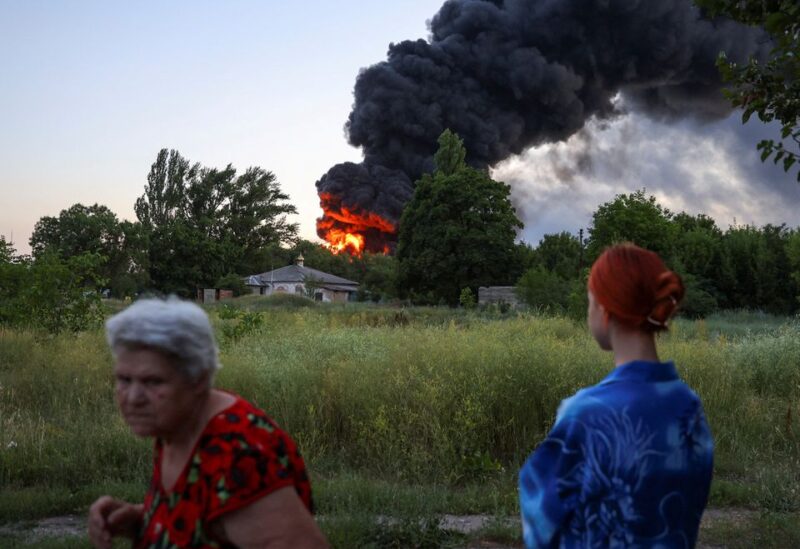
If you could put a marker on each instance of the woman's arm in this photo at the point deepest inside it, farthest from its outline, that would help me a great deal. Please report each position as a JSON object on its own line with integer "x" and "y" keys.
{"x": 278, "y": 520}
{"x": 548, "y": 485}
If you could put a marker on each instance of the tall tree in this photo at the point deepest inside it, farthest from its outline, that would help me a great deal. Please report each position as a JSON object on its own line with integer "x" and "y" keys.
{"x": 203, "y": 223}
{"x": 770, "y": 88}
{"x": 634, "y": 217}
{"x": 560, "y": 254}
{"x": 457, "y": 231}
{"x": 7, "y": 251}
{"x": 96, "y": 230}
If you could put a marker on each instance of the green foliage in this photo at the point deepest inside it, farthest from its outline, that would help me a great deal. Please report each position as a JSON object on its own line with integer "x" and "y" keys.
{"x": 203, "y": 223}
{"x": 376, "y": 275}
{"x": 450, "y": 158}
{"x": 698, "y": 302}
{"x": 742, "y": 267}
{"x": 457, "y": 231}
{"x": 234, "y": 282}
{"x": 769, "y": 89}
{"x": 239, "y": 323}
{"x": 50, "y": 293}
{"x": 467, "y": 299}
{"x": 433, "y": 415}
{"x": 7, "y": 251}
{"x": 560, "y": 254}
{"x": 578, "y": 299}
{"x": 543, "y": 289}
{"x": 633, "y": 218}
{"x": 793, "y": 257}
{"x": 96, "y": 230}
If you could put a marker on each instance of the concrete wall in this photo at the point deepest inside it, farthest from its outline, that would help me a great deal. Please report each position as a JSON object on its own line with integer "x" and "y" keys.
{"x": 496, "y": 294}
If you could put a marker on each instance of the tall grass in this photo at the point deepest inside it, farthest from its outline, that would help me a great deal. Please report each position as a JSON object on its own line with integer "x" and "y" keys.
{"x": 407, "y": 396}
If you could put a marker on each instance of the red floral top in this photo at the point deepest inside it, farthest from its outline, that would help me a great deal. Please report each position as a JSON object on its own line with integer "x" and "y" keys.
{"x": 241, "y": 456}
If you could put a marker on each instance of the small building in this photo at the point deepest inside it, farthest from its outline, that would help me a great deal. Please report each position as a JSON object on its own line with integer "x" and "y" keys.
{"x": 305, "y": 281}
{"x": 210, "y": 295}
{"x": 488, "y": 295}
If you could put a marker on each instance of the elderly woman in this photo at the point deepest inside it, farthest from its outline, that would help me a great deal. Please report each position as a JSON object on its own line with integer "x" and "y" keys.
{"x": 628, "y": 462}
{"x": 224, "y": 474}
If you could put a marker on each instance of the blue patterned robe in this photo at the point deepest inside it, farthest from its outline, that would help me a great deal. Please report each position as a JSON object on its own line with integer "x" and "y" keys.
{"x": 628, "y": 463}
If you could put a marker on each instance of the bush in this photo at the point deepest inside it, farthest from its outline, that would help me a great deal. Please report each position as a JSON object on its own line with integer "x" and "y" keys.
{"x": 698, "y": 301}
{"x": 51, "y": 293}
{"x": 234, "y": 282}
{"x": 467, "y": 299}
{"x": 543, "y": 289}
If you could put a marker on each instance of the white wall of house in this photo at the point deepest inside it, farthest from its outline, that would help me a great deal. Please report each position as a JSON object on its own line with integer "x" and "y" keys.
{"x": 321, "y": 294}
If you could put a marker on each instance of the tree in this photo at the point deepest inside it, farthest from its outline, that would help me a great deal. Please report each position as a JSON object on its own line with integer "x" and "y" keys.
{"x": 770, "y": 88}
{"x": 64, "y": 294}
{"x": 51, "y": 293}
{"x": 95, "y": 229}
{"x": 457, "y": 231}
{"x": 377, "y": 276}
{"x": 233, "y": 282}
{"x": 13, "y": 277}
{"x": 543, "y": 289}
{"x": 560, "y": 253}
{"x": 202, "y": 223}
{"x": 7, "y": 251}
{"x": 793, "y": 257}
{"x": 635, "y": 218}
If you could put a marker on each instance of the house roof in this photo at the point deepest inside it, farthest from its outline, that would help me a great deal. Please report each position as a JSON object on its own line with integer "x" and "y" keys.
{"x": 296, "y": 273}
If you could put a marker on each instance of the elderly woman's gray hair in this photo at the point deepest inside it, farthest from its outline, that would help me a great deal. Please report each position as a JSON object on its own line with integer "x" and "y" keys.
{"x": 175, "y": 327}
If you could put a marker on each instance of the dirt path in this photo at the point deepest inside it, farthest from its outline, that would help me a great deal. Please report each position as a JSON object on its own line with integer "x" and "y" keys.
{"x": 75, "y": 525}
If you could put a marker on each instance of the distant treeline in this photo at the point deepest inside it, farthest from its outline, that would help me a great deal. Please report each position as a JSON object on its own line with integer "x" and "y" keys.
{"x": 199, "y": 228}
{"x": 743, "y": 267}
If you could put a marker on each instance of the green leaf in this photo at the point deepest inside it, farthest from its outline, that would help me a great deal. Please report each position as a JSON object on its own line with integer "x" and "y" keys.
{"x": 775, "y": 23}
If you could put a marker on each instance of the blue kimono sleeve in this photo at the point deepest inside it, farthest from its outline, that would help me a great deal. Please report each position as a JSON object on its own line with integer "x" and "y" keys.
{"x": 546, "y": 500}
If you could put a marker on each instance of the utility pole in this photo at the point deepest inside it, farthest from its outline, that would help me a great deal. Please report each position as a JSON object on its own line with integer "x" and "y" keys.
{"x": 580, "y": 256}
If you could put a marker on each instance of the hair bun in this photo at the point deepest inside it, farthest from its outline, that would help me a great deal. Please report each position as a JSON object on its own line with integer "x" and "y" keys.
{"x": 669, "y": 293}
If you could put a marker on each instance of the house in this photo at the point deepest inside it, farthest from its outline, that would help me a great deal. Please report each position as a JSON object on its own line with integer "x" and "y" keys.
{"x": 302, "y": 280}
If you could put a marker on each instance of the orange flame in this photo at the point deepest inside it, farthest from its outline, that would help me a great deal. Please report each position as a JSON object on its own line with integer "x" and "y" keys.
{"x": 339, "y": 241}
{"x": 346, "y": 230}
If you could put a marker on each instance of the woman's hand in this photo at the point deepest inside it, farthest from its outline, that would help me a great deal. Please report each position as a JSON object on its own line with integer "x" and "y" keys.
{"x": 109, "y": 517}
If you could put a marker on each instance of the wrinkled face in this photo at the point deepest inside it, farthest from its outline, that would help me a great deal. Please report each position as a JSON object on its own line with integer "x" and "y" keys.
{"x": 155, "y": 399}
{"x": 598, "y": 321}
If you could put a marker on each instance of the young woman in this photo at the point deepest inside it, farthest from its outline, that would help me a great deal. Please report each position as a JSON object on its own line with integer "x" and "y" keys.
{"x": 628, "y": 462}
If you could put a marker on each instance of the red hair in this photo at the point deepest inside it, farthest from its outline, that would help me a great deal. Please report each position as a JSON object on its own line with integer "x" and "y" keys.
{"x": 635, "y": 287}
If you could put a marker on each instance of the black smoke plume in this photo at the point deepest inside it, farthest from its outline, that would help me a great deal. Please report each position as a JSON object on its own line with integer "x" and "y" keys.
{"x": 508, "y": 75}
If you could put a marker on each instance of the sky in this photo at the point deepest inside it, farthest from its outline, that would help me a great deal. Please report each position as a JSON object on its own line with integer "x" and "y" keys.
{"x": 92, "y": 90}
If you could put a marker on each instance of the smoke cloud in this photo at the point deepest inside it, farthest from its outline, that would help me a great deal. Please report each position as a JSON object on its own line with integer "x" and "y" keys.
{"x": 510, "y": 75}
{"x": 697, "y": 167}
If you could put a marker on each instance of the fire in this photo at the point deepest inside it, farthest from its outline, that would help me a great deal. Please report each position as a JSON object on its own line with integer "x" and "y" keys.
{"x": 340, "y": 241}
{"x": 351, "y": 231}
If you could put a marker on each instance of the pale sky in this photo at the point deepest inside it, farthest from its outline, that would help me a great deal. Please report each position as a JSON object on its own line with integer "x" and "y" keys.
{"x": 92, "y": 90}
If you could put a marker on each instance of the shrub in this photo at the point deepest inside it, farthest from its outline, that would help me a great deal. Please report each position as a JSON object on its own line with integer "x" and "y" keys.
{"x": 234, "y": 282}
{"x": 543, "y": 289}
{"x": 467, "y": 299}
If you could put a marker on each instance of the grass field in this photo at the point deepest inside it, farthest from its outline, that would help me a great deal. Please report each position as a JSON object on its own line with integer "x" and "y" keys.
{"x": 407, "y": 413}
